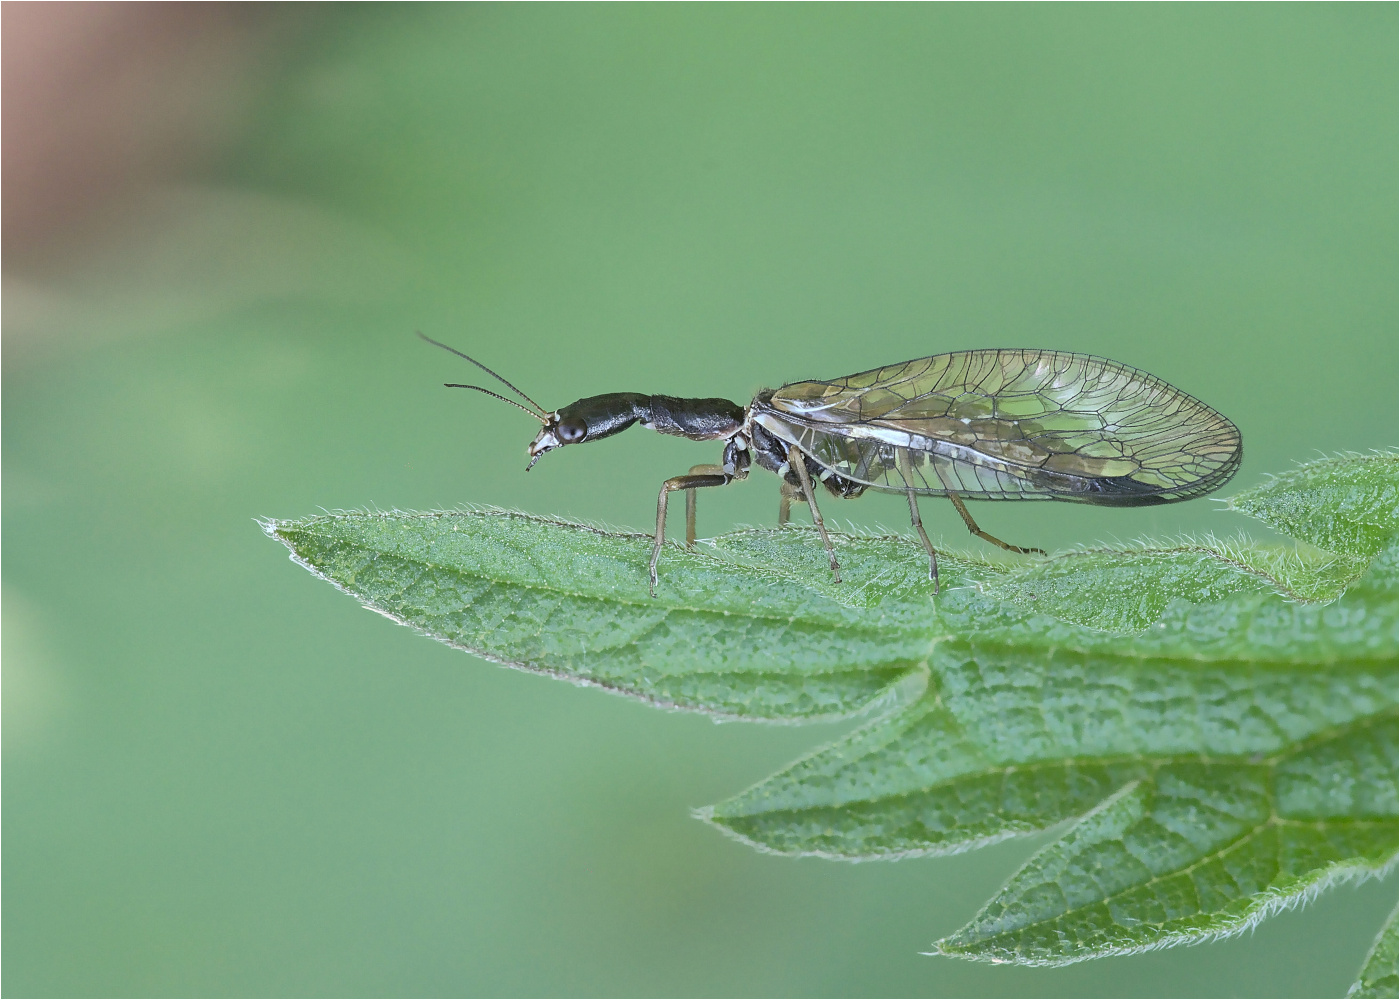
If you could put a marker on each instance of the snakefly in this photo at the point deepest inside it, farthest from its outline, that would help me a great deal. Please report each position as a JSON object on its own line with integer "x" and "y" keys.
{"x": 970, "y": 425}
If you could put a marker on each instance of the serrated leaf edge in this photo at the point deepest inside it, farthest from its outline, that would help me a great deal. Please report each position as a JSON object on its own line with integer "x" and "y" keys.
{"x": 887, "y": 700}
{"x": 1270, "y": 902}
{"x": 1263, "y": 904}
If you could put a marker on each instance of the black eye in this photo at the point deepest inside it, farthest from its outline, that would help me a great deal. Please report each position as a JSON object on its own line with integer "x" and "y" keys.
{"x": 572, "y": 431}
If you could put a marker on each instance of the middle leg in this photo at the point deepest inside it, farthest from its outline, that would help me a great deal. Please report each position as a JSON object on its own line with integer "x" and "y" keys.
{"x": 923, "y": 537}
{"x": 787, "y": 493}
{"x": 798, "y": 461}
{"x": 906, "y": 469}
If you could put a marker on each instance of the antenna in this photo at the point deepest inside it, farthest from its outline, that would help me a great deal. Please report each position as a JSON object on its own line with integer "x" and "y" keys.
{"x": 539, "y": 413}
{"x": 503, "y": 399}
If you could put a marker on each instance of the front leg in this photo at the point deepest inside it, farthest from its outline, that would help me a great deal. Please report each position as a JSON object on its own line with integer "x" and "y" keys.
{"x": 690, "y": 482}
{"x": 708, "y": 470}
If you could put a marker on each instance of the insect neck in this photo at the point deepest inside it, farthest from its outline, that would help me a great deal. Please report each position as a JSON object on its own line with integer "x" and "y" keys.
{"x": 697, "y": 419}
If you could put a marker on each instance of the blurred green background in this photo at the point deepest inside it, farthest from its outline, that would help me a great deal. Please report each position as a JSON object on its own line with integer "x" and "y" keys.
{"x": 222, "y": 777}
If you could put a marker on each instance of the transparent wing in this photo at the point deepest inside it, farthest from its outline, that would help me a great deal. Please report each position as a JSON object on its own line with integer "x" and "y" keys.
{"x": 1011, "y": 424}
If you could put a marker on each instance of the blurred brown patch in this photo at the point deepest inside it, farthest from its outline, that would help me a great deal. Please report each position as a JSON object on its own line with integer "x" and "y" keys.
{"x": 101, "y": 101}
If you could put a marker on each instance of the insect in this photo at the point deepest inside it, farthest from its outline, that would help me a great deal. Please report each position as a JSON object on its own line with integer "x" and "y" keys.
{"x": 970, "y": 425}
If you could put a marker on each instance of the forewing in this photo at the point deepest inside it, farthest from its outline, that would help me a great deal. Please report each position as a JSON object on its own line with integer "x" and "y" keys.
{"x": 1004, "y": 424}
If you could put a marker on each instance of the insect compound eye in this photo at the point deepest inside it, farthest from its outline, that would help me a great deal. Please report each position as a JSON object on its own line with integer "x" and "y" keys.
{"x": 572, "y": 431}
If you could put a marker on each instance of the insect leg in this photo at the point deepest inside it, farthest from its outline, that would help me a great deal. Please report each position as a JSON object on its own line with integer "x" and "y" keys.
{"x": 799, "y": 465}
{"x": 923, "y": 537}
{"x": 906, "y": 470}
{"x": 670, "y": 486}
{"x": 709, "y": 470}
{"x": 972, "y": 527}
{"x": 787, "y": 493}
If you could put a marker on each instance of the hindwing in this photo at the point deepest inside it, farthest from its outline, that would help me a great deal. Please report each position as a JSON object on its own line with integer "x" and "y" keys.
{"x": 1010, "y": 424}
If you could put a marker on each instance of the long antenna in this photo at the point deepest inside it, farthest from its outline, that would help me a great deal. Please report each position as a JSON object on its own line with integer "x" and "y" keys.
{"x": 503, "y": 399}
{"x": 541, "y": 414}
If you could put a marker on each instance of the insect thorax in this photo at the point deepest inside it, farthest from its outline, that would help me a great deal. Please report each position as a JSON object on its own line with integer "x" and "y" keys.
{"x": 771, "y": 452}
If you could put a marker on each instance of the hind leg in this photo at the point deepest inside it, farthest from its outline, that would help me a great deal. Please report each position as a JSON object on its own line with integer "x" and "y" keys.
{"x": 972, "y": 527}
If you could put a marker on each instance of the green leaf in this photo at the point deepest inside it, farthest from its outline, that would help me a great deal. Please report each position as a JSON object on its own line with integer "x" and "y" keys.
{"x": 1127, "y": 590}
{"x": 1004, "y": 743}
{"x": 1379, "y": 976}
{"x": 1346, "y": 504}
{"x": 572, "y": 601}
{"x": 1211, "y": 724}
{"x": 1196, "y": 850}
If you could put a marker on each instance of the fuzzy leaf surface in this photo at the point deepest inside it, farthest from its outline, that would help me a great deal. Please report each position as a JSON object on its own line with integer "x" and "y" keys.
{"x": 1213, "y": 723}
{"x": 564, "y": 599}
{"x": 1348, "y": 504}
{"x": 1380, "y": 976}
{"x": 1198, "y": 849}
{"x": 1240, "y": 728}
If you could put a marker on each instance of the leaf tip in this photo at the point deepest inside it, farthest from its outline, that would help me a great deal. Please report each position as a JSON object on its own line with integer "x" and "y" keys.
{"x": 271, "y": 526}
{"x": 951, "y": 947}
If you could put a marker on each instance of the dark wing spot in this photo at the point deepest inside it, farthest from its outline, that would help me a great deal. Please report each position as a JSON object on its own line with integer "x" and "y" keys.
{"x": 1121, "y": 491}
